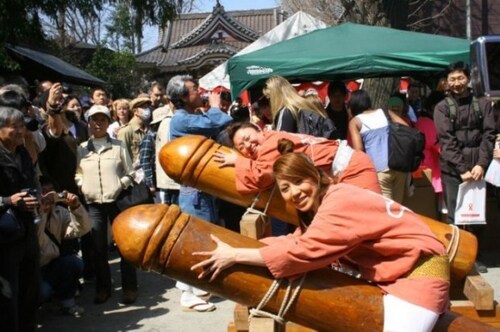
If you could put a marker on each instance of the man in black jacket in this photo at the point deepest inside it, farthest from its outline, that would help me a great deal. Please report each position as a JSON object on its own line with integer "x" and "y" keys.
{"x": 466, "y": 132}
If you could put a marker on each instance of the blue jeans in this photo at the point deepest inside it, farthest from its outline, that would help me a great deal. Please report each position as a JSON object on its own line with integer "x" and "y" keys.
{"x": 62, "y": 275}
{"x": 198, "y": 204}
{"x": 103, "y": 215}
{"x": 169, "y": 196}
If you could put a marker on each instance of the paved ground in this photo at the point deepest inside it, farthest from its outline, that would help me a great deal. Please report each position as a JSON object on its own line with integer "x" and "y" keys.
{"x": 157, "y": 308}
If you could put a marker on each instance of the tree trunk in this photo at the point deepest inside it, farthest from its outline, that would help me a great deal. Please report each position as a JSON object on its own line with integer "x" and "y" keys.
{"x": 380, "y": 90}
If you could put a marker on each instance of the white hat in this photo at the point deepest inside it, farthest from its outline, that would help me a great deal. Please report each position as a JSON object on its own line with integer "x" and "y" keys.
{"x": 98, "y": 109}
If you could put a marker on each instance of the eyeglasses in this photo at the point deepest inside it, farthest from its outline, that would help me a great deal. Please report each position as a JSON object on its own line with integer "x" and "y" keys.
{"x": 457, "y": 79}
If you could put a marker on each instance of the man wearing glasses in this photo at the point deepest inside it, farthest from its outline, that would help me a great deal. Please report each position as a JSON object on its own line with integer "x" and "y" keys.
{"x": 466, "y": 132}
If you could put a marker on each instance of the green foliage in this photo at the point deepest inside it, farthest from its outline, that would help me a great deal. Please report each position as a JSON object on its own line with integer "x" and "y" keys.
{"x": 20, "y": 25}
{"x": 120, "y": 32}
{"x": 116, "y": 68}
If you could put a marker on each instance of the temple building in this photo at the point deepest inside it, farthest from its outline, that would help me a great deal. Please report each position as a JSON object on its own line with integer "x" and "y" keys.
{"x": 195, "y": 43}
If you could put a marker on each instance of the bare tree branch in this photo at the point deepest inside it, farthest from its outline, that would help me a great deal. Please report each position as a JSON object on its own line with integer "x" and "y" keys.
{"x": 417, "y": 24}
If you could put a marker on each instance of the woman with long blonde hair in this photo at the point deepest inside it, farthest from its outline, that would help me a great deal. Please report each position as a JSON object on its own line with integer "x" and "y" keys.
{"x": 286, "y": 104}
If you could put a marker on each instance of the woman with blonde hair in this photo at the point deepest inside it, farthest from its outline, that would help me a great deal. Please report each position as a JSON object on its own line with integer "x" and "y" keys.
{"x": 121, "y": 114}
{"x": 286, "y": 104}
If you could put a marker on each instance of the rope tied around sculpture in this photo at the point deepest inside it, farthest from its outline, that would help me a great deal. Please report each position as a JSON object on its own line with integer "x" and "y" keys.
{"x": 287, "y": 302}
{"x": 289, "y": 297}
{"x": 452, "y": 247}
{"x": 262, "y": 214}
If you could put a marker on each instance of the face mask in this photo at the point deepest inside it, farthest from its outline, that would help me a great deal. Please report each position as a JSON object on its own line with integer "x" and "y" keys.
{"x": 70, "y": 116}
{"x": 146, "y": 114}
{"x": 30, "y": 124}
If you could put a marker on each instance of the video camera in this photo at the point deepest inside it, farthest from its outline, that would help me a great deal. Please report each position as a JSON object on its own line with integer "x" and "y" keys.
{"x": 485, "y": 66}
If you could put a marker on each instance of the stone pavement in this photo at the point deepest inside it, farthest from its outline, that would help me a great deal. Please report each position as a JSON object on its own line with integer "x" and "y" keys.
{"x": 158, "y": 310}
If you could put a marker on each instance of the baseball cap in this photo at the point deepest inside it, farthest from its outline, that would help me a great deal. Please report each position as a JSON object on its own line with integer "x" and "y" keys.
{"x": 98, "y": 109}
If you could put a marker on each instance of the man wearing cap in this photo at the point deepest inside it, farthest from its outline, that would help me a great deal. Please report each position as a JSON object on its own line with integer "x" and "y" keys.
{"x": 133, "y": 133}
{"x": 148, "y": 152}
{"x": 101, "y": 183}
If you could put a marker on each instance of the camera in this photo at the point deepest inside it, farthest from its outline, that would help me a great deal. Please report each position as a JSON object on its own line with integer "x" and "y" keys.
{"x": 67, "y": 89}
{"x": 33, "y": 193}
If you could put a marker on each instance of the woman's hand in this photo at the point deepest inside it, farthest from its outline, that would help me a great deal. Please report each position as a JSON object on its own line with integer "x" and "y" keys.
{"x": 225, "y": 158}
{"x": 222, "y": 257}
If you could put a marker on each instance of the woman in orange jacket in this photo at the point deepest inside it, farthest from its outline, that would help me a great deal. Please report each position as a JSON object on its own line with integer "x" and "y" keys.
{"x": 259, "y": 151}
{"x": 385, "y": 242}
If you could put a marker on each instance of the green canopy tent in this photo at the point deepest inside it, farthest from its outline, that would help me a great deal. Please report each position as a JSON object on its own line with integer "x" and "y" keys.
{"x": 348, "y": 51}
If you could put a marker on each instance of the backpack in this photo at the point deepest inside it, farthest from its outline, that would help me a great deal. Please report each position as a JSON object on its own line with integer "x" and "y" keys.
{"x": 312, "y": 123}
{"x": 452, "y": 104}
{"x": 406, "y": 146}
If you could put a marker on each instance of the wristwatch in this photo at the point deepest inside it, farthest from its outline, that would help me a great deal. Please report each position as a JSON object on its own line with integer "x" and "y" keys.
{"x": 53, "y": 109}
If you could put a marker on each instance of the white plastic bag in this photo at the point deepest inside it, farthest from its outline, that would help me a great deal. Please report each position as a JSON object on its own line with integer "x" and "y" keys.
{"x": 493, "y": 173}
{"x": 471, "y": 203}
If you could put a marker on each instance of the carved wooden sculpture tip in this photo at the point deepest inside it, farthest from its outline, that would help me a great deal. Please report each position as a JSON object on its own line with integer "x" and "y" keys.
{"x": 180, "y": 156}
{"x": 141, "y": 231}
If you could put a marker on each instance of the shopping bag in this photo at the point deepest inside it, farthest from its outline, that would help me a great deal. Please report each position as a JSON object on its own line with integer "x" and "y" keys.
{"x": 136, "y": 194}
{"x": 471, "y": 203}
{"x": 493, "y": 173}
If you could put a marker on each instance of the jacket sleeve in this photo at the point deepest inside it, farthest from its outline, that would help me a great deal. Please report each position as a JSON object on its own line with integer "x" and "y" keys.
{"x": 450, "y": 148}
{"x": 78, "y": 223}
{"x": 128, "y": 170}
{"x": 125, "y": 135}
{"x": 252, "y": 176}
{"x": 328, "y": 238}
{"x": 488, "y": 137}
{"x": 208, "y": 124}
{"x": 79, "y": 172}
{"x": 286, "y": 121}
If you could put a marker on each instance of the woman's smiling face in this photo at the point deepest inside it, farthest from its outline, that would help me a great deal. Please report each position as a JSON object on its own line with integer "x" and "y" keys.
{"x": 248, "y": 141}
{"x": 303, "y": 194}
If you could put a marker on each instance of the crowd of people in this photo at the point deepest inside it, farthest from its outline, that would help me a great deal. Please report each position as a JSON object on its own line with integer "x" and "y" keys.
{"x": 65, "y": 160}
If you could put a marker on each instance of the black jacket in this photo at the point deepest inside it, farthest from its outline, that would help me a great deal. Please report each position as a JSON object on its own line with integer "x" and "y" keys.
{"x": 14, "y": 178}
{"x": 470, "y": 141}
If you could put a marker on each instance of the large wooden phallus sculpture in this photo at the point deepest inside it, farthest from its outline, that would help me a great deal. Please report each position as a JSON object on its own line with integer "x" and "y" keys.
{"x": 188, "y": 160}
{"x": 162, "y": 239}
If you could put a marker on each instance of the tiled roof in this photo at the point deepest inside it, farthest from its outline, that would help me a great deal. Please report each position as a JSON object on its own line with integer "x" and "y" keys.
{"x": 185, "y": 41}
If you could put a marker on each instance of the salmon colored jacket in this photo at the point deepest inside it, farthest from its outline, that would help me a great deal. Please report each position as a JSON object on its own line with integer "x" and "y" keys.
{"x": 382, "y": 239}
{"x": 256, "y": 175}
